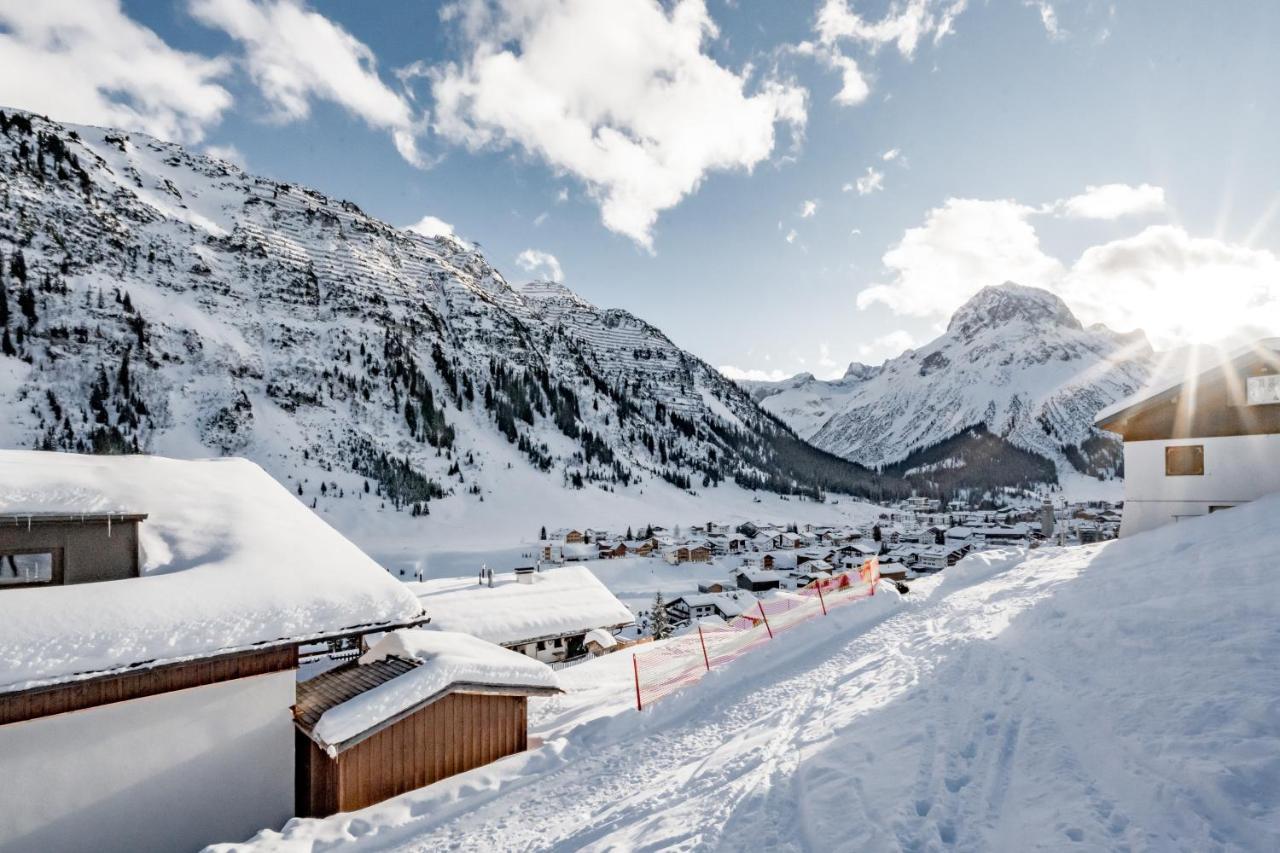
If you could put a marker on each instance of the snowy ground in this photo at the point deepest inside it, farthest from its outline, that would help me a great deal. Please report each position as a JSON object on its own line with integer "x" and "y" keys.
{"x": 1113, "y": 697}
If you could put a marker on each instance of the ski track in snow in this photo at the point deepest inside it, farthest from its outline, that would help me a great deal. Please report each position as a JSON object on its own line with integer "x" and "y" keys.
{"x": 780, "y": 767}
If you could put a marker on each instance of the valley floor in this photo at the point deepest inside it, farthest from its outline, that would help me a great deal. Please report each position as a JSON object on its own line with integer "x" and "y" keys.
{"x": 1112, "y": 697}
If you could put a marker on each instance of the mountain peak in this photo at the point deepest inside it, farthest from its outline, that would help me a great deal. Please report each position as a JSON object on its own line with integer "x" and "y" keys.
{"x": 997, "y": 305}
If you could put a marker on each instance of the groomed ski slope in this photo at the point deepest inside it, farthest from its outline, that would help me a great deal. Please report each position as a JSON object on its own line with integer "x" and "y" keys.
{"x": 1123, "y": 696}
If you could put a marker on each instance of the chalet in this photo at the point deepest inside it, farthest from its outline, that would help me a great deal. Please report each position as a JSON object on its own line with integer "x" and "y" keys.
{"x": 893, "y": 571}
{"x": 612, "y": 550}
{"x": 546, "y": 617}
{"x": 726, "y": 605}
{"x": 937, "y": 557}
{"x": 716, "y": 586}
{"x": 574, "y": 537}
{"x": 146, "y": 689}
{"x": 694, "y": 553}
{"x": 1207, "y": 443}
{"x": 748, "y": 529}
{"x": 416, "y": 707}
{"x": 759, "y": 561}
{"x": 641, "y": 547}
{"x": 758, "y": 581}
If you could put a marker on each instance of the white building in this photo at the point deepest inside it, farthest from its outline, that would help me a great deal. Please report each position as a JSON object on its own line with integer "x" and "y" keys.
{"x": 155, "y": 712}
{"x": 1201, "y": 445}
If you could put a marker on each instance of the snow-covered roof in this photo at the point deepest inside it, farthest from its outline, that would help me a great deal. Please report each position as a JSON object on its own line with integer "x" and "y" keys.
{"x": 558, "y": 602}
{"x": 445, "y": 660}
{"x": 601, "y": 637}
{"x": 230, "y": 560}
{"x": 728, "y": 603}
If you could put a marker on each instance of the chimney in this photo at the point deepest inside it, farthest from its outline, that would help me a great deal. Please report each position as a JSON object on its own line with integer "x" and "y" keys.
{"x": 1046, "y": 519}
{"x": 524, "y": 574}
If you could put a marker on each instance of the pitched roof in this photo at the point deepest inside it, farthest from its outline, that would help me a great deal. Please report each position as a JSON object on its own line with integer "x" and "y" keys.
{"x": 232, "y": 560}
{"x": 558, "y": 602}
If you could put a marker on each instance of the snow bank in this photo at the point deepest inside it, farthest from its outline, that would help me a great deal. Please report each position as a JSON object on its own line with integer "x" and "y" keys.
{"x": 601, "y": 637}
{"x": 447, "y": 658}
{"x": 230, "y": 559}
{"x": 559, "y": 601}
{"x": 1104, "y": 697}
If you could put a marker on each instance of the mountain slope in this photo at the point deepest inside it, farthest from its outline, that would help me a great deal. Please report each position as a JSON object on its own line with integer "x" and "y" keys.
{"x": 1014, "y": 361}
{"x": 162, "y": 300}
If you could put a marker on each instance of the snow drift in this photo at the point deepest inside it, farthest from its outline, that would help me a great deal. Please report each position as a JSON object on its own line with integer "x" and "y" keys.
{"x": 1116, "y": 696}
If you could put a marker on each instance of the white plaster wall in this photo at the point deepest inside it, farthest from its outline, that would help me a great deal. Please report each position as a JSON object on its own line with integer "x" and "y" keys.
{"x": 1237, "y": 469}
{"x": 165, "y": 773}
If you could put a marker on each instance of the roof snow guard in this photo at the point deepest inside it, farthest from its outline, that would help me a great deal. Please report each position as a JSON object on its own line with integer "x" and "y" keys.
{"x": 231, "y": 561}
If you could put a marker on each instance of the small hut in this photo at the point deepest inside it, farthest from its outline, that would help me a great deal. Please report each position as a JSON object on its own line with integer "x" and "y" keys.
{"x": 417, "y": 707}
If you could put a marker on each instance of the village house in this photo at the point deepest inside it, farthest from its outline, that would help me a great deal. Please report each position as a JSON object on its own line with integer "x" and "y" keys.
{"x": 418, "y": 706}
{"x": 726, "y": 605}
{"x": 148, "y": 668}
{"x": 716, "y": 586}
{"x": 612, "y": 550}
{"x": 1205, "y": 444}
{"x": 542, "y": 614}
{"x": 758, "y": 581}
{"x": 692, "y": 553}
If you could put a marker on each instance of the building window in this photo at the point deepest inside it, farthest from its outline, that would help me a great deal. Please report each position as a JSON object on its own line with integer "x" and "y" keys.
{"x": 1263, "y": 390}
{"x": 1184, "y": 461}
{"x": 22, "y": 568}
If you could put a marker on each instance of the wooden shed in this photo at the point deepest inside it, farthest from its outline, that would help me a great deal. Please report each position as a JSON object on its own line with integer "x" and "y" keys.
{"x": 443, "y": 728}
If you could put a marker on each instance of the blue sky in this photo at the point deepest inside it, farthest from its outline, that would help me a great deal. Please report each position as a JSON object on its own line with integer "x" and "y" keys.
{"x": 780, "y": 187}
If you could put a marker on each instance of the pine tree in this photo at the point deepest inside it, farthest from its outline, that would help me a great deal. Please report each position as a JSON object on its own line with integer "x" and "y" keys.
{"x": 542, "y": 534}
{"x": 122, "y": 377}
{"x": 4, "y": 296}
{"x": 6, "y": 344}
{"x": 659, "y": 627}
{"x": 875, "y": 533}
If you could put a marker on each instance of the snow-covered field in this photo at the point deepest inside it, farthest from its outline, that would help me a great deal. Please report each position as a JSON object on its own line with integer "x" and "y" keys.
{"x": 1108, "y": 697}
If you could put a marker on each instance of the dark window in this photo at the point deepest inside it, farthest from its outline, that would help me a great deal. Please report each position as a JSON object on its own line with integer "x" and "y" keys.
{"x": 21, "y": 568}
{"x": 1184, "y": 461}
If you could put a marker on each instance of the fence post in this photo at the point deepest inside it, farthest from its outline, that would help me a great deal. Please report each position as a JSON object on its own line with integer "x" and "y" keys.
{"x": 821, "y": 600}
{"x": 705, "y": 659}
{"x": 766, "y": 620}
{"x": 635, "y": 668}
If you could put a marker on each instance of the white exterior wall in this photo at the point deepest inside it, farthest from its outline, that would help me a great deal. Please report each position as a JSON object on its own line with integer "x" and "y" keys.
{"x": 1237, "y": 469}
{"x": 172, "y": 772}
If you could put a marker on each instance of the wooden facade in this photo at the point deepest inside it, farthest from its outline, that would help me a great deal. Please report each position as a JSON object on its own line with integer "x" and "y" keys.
{"x": 1211, "y": 405}
{"x": 134, "y": 684}
{"x": 457, "y": 733}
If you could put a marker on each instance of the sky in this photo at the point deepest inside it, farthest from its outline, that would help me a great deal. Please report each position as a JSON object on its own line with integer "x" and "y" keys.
{"x": 781, "y": 187}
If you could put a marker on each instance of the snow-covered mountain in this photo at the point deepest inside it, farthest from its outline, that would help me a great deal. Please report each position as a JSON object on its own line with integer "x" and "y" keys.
{"x": 1015, "y": 367}
{"x": 159, "y": 299}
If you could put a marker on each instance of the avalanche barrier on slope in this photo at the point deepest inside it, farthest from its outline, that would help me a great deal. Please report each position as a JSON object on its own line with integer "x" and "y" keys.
{"x": 684, "y": 660}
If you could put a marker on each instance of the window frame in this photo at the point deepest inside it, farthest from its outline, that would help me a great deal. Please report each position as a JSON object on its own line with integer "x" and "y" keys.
{"x": 55, "y": 568}
{"x": 1173, "y": 449}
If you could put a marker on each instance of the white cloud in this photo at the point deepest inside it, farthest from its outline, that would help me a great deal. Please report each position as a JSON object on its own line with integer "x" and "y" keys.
{"x": 872, "y": 181}
{"x": 886, "y": 346}
{"x": 752, "y": 374}
{"x": 542, "y": 265}
{"x": 904, "y": 25}
{"x": 1173, "y": 286}
{"x": 1112, "y": 201}
{"x": 619, "y": 94}
{"x": 540, "y": 218}
{"x": 562, "y": 196}
{"x": 89, "y": 62}
{"x": 295, "y": 55}
{"x": 230, "y": 153}
{"x": 792, "y": 235}
{"x": 891, "y": 155}
{"x": 809, "y": 208}
{"x": 431, "y": 226}
{"x": 1048, "y": 18}
{"x": 962, "y": 247}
